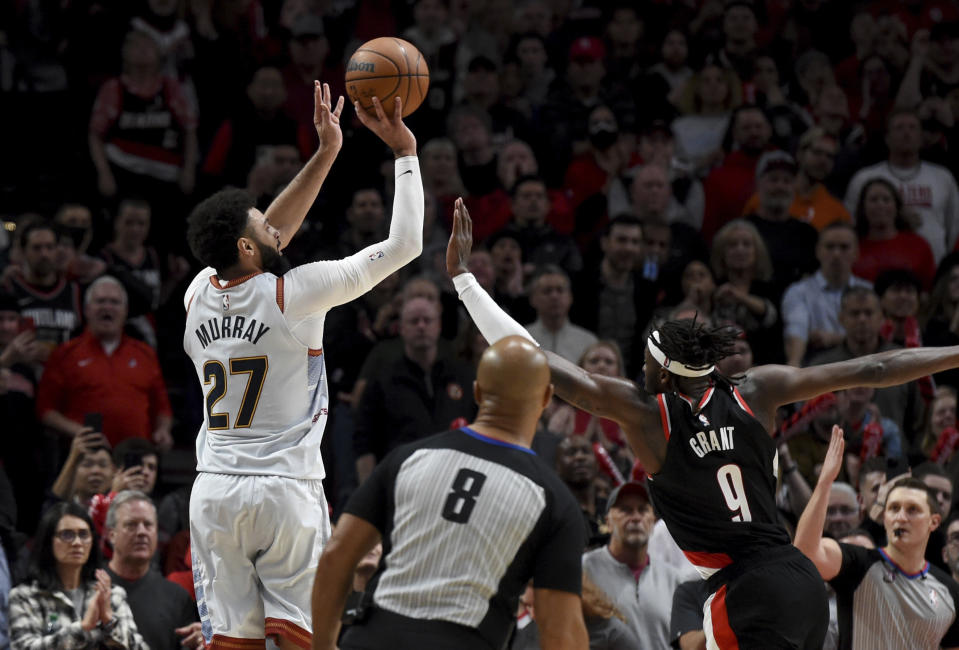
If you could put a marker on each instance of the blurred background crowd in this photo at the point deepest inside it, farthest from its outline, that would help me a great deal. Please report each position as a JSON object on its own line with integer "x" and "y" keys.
{"x": 786, "y": 167}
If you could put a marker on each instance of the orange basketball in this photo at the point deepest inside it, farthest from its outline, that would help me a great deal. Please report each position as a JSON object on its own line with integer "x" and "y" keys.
{"x": 384, "y": 68}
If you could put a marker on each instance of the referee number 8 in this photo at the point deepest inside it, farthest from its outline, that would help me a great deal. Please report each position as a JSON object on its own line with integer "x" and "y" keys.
{"x": 730, "y": 479}
{"x": 462, "y": 497}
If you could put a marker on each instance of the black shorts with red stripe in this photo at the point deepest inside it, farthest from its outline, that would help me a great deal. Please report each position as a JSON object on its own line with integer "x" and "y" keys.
{"x": 772, "y": 599}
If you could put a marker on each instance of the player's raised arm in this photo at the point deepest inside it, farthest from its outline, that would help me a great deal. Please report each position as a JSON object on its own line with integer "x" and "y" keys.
{"x": 768, "y": 387}
{"x": 616, "y": 399}
{"x": 824, "y": 553}
{"x": 288, "y": 210}
{"x": 323, "y": 285}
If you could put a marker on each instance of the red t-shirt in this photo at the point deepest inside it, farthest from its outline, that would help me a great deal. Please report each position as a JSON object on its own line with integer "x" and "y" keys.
{"x": 126, "y": 387}
{"x": 906, "y": 250}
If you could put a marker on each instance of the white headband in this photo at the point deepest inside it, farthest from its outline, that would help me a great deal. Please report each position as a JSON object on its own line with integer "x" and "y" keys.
{"x": 673, "y": 366}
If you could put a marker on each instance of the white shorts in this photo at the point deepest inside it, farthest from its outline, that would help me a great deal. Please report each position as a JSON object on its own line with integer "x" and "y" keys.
{"x": 256, "y": 541}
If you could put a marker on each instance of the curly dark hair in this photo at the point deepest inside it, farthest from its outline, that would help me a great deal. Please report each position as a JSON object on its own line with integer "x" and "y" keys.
{"x": 695, "y": 344}
{"x": 215, "y": 225}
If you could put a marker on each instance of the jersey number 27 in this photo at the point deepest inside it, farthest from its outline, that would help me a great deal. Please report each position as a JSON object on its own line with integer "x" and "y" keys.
{"x": 215, "y": 376}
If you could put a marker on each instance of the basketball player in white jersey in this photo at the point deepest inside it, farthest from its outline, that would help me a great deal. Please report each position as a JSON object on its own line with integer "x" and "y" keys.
{"x": 258, "y": 516}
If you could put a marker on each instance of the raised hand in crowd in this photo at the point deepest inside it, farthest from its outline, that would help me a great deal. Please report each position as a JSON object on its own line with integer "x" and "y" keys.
{"x": 129, "y": 478}
{"x": 23, "y": 348}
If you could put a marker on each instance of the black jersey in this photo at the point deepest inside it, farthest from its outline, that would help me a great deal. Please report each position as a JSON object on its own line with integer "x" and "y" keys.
{"x": 716, "y": 489}
{"x": 466, "y": 521}
{"x": 55, "y": 310}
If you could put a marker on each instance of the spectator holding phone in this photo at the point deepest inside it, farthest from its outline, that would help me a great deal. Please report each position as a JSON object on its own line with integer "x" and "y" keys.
{"x": 19, "y": 348}
{"x": 104, "y": 370}
{"x": 136, "y": 461}
{"x": 88, "y": 470}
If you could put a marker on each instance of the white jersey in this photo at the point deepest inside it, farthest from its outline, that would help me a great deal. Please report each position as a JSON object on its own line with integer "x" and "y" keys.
{"x": 265, "y": 392}
{"x": 256, "y": 343}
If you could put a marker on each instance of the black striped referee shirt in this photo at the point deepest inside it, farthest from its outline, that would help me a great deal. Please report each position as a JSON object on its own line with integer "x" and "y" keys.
{"x": 466, "y": 521}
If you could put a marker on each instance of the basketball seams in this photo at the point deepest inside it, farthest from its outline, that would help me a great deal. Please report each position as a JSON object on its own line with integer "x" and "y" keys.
{"x": 369, "y": 83}
{"x": 409, "y": 81}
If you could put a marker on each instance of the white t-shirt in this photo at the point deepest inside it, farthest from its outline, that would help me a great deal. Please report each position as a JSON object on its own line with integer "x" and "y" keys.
{"x": 929, "y": 189}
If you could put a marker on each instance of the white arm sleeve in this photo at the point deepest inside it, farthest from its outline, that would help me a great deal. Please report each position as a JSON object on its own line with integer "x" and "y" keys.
{"x": 492, "y": 322}
{"x": 319, "y": 286}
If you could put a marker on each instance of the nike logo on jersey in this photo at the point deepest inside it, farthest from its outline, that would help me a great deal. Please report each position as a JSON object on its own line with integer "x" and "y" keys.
{"x": 703, "y": 442}
{"x": 235, "y": 327}
{"x": 83, "y": 363}
{"x": 408, "y": 171}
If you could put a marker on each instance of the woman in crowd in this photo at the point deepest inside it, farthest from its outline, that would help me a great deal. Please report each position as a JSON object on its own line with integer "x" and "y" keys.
{"x": 745, "y": 295}
{"x": 940, "y": 416}
{"x": 602, "y": 358}
{"x": 67, "y": 602}
{"x": 705, "y": 102}
{"x": 886, "y": 240}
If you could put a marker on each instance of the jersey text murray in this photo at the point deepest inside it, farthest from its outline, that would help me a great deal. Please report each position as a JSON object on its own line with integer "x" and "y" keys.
{"x": 237, "y": 327}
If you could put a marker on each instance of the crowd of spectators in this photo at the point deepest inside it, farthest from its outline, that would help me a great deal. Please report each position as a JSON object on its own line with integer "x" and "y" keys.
{"x": 786, "y": 167}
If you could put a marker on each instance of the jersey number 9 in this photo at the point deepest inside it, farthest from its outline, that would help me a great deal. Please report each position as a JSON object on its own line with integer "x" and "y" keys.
{"x": 730, "y": 479}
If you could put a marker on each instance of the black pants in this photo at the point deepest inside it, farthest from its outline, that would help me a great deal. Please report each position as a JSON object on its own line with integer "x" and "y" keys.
{"x": 772, "y": 600}
{"x": 383, "y": 629}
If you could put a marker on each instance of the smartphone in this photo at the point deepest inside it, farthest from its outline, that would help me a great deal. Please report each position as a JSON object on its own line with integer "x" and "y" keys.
{"x": 27, "y": 324}
{"x": 94, "y": 421}
{"x": 132, "y": 459}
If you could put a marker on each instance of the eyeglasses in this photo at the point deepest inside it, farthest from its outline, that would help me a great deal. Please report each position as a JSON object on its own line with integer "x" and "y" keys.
{"x": 953, "y": 539}
{"x": 67, "y": 536}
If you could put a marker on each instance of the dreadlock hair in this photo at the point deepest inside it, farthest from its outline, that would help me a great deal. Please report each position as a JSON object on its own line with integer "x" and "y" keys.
{"x": 695, "y": 344}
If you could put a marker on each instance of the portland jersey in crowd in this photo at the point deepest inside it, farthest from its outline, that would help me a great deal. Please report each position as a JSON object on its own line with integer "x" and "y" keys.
{"x": 55, "y": 310}
{"x": 716, "y": 489}
{"x": 466, "y": 521}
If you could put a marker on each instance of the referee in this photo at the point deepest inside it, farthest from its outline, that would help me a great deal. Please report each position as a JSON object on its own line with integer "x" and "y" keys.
{"x": 466, "y": 518}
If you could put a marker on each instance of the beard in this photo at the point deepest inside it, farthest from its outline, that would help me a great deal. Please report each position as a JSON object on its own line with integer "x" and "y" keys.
{"x": 273, "y": 260}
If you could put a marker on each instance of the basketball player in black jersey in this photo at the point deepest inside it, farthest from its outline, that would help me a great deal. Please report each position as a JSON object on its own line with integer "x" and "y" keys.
{"x": 466, "y": 518}
{"x": 705, "y": 441}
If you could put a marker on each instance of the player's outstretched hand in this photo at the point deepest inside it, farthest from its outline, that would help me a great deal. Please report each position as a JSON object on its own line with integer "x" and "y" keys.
{"x": 326, "y": 118}
{"x": 461, "y": 240}
{"x": 834, "y": 456}
{"x": 390, "y": 130}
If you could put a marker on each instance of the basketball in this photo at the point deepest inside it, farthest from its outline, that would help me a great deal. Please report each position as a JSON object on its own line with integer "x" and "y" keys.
{"x": 386, "y": 68}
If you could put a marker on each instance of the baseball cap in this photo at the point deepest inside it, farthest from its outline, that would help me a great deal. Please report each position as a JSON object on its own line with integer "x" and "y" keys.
{"x": 773, "y": 160}
{"x": 630, "y": 487}
{"x": 587, "y": 49}
{"x": 307, "y": 25}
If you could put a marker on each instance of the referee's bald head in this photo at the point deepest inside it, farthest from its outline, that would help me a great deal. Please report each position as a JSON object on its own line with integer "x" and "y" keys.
{"x": 513, "y": 371}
